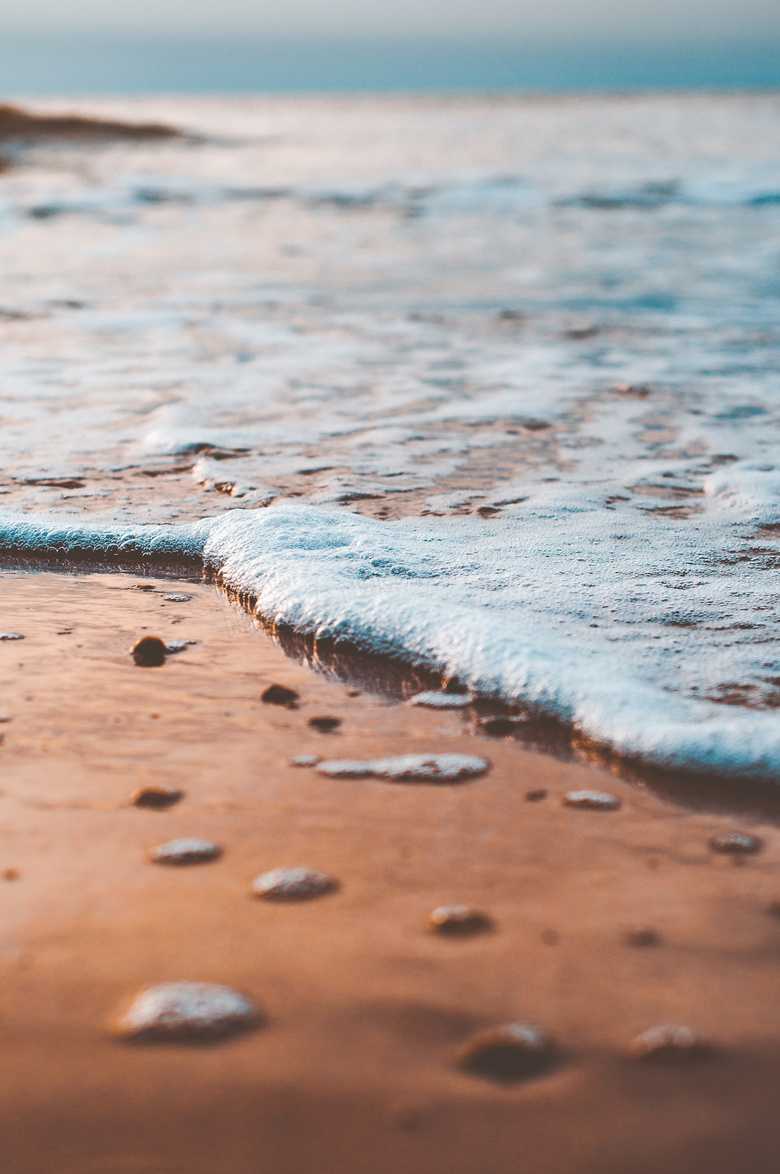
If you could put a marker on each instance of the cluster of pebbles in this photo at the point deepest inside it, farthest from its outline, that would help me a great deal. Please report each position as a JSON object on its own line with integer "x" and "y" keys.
{"x": 203, "y": 1012}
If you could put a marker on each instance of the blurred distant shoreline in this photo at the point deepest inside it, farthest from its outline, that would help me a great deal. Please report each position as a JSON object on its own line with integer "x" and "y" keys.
{"x": 47, "y": 63}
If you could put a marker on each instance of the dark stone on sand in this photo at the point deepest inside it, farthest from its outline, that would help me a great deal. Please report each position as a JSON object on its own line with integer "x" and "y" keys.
{"x": 671, "y": 1045}
{"x": 292, "y": 884}
{"x": 535, "y": 796}
{"x": 641, "y": 936}
{"x": 774, "y": 909}
{"x": 280, "y": 695}
{"x": 185, "y": 851}
{"x": 11, "y": 874}
{"x": 737, "y": 844}
{"x": 157, "y": 798}
{"x": 550, "y": 937}
{"x": 187, "y": 1012}
{"x": 149, "y": 652}
{"x": 500, "y": 727}
{"x": 591, "y": 800}
{"x": 458, "y": 921}
{"x": 325, "y": 725}
{"x": 508, "y": 1054}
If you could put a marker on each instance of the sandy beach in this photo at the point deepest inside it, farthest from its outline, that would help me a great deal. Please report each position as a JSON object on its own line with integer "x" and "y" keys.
{"x": 354, "y": 400}
{"x": 365, "y": 1008}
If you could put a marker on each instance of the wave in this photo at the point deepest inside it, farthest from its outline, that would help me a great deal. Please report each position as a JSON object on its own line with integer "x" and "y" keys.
{"x": 410, "y": 590}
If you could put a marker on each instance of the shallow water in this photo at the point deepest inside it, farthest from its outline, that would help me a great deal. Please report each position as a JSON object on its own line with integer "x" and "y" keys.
{"x": 534, "y": 343}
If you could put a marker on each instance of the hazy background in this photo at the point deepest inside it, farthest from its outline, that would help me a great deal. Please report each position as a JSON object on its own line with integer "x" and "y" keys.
{"x": 91, "y": 46}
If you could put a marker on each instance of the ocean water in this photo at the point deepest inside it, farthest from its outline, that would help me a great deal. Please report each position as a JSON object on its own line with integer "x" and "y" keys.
{"x": 488, "y": 384}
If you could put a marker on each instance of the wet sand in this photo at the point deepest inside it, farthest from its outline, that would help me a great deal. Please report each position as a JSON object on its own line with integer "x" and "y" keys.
{"x": 353, "y": 1071}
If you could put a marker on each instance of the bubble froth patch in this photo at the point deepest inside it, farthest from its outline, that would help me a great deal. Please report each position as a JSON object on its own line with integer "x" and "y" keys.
{"x": 426, "y": 768}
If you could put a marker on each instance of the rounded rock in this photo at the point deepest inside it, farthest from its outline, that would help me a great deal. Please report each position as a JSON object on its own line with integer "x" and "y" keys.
{"x": 737, "y": 844}
{"x": 149, "y": 652}
{"x": 671, "y": 1045}
{"x": 280, "y": 695}
{"x": 185, "y": 851}
{"x": 325, "y": 725}
{"x": 458, "y": 921}
{"x": 157, "y": 798}
{"x": 187, "y": 1012}
{"x": 591, "y": 800}
{"x": 433, "y": 700}
{"x": 292, "y": 884}
{"x": 514, "y": 1052}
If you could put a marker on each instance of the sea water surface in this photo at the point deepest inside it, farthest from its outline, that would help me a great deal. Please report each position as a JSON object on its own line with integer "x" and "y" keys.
{"x": 488, "y": 384}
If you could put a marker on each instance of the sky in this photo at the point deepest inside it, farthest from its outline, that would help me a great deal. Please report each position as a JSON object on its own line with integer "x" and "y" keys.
{"x": 564, "y": 20}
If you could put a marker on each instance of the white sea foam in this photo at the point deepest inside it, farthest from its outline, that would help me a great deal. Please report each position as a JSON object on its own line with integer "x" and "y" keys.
{"x": 559, "y": 315}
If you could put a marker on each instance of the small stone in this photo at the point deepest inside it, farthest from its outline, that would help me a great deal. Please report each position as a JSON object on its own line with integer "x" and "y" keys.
{"x": 304, "y": 760}
{"x": 11, "y": 636}
{"x": 535, "y": 796}
{"x": 280, "y": 695}
{"x": 774, "y": 909}
{"x": 550, "y": 937}
{"x": 149, "y": 652}
{"x": 641, "y": 936}
{"x": 502, "y": 727}
{"x": 427, "y": 768}
{"x": 186, "y": 851}
{"x": 11, "y": 874}
{"x": 143, "y": 587}
{"x": 324, "y": 724}
{"x": 517, "y": 1051}
{"x": 292, "y": 884}
{"x": 737, "y": 844}
{"x": 5, "y": 717}
{"x": 433, "y": 700}
{"x": 591, "y": 800}
{"x": 671, "y": 1045}
{"x": 157, "y": 798}
{"x": 177, "y": 598}
{"x": 187, "y": 1011}
{"x": 459, "y": 921}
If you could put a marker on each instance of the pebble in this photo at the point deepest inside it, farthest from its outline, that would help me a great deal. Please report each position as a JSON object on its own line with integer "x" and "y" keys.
{"x": 592, "y": 800}
{"x": 433, "y": 700}
{"x": 304, "y": 760}
{"x": 737, "y": 843}
{"x": 187, "y": 1011}
{"x": 11, "y": 636}
{"x": 535, "y": 796}
{"x": 292, "y": 884}
{"x": 671, "y": 1045}
{"x": 516, "y": 1051}
{"x": 502, "y": 727}
{"x": 5, "y": 717}
{"x": 11, "y": 874}
{"x": 458, "y": 921}
{"x": 149, "y": 652}
{"x": 280, "y": 695}
{"x": 641, "y": 936}
{"x": 324, "y": 724}
{"x": 429, "y": 768}
{"x": 187, "y": 851}
{"x": 157, "y": 798}
{"x": 177, "y": 598}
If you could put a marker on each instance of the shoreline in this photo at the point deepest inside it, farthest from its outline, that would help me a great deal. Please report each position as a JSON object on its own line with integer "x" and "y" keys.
{"x": 366, "y": 1009}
